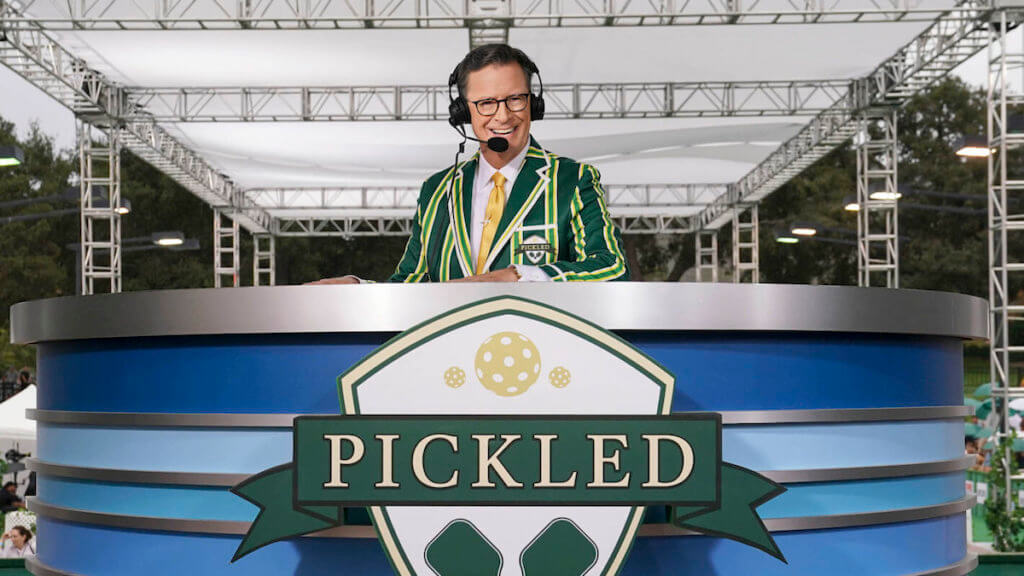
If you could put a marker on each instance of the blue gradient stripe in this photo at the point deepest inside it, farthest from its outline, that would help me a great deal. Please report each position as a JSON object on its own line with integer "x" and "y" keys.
{"x": 217, "y": 503}
{"x": 248, "y": 451}
{"x": 295, "y": 373}
{"x": 884, "y": 550}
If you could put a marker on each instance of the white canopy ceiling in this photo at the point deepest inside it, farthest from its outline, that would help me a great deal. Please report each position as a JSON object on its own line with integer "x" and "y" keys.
{"x": 627, "y": 151}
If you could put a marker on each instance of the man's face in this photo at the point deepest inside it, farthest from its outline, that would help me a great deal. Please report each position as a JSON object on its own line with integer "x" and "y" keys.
{"x": 499, "y": 81}
{"x": 11, "y": 489}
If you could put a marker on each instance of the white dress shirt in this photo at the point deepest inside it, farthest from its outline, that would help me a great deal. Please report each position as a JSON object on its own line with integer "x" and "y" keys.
{"x": 482, "y": 187}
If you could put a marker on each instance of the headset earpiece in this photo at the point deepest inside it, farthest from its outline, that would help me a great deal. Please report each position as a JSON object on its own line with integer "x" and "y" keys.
{"x": 536, "y": 100}
{"x": 537, "y": 107}
{"x": 458, "y": 110}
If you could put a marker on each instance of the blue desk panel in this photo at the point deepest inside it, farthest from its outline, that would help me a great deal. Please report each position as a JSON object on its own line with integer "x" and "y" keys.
{"x": 296, "y": 373}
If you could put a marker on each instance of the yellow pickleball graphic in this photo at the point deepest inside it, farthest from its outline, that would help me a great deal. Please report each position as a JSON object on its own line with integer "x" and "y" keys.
{"x": 560, "y": 377}
{"x": 454, "y": 377}
{"x": 507, "y": 363}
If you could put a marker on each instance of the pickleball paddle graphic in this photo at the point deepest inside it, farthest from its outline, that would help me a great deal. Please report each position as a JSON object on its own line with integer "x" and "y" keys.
{"x": 560, "y": 549}
{"x": 461, "y": 550}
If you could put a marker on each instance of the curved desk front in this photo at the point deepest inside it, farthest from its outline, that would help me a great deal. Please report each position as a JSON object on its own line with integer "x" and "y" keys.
{"x": 151, "y": 405}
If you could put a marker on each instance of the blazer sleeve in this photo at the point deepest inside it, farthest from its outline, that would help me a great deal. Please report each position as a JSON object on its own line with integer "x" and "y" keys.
{"x": 413, "y": 265}
{"x": 596, "y": 241}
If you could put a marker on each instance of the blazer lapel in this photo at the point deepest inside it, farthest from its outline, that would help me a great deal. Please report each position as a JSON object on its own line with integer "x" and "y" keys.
{"x": 530, "y": 185}
{"x": 460, "y": 212}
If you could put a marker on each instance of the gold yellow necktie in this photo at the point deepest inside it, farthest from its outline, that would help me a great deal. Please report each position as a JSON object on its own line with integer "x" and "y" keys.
{"x": 495, "y": 206}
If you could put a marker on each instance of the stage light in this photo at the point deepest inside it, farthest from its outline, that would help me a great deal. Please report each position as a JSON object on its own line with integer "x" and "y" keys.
{"x": 125, "y": 207}
{"x": 803, "y": 229}
{"x": 168, "y": 238}
{"x": 885, "y": 195}
{"x": 11, "y": 156}
{"x": 850, "y": 204}
{"x": 973, "y": 147}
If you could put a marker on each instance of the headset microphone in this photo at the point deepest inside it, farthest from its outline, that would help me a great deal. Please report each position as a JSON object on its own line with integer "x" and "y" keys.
{"x": 497, "y": 144}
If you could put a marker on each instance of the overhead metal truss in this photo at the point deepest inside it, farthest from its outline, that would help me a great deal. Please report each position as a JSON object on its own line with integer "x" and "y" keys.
{"x": 563, "y": 101}
{"x": 387, "y": 211}
{"x": 746, "y": 261}
{"x": 44, "y": 62}
{"x": 1005, "y": 227}
{"x": 400, "y": 224}
{"x": 484, "y": 18}
{"x": 652, "y": 196}
{"x": 99, "y": 247}
{"x": 878, "y": 248}
{"x": 951, "y": 40}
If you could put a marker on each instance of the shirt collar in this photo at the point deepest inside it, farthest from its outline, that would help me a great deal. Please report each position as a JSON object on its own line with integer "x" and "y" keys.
{"x": 510, "y": 170}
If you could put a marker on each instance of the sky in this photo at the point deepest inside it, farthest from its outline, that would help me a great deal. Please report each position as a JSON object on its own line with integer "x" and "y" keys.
{"x": 23, "y": 103}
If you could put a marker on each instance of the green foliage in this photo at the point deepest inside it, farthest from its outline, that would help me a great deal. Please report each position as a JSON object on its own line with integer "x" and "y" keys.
{"x": 1007, "y": 527}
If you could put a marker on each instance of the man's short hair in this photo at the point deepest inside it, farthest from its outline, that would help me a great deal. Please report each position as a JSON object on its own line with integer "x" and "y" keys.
{"x": 9, "y": 484}
{"x": 488, "y": 54}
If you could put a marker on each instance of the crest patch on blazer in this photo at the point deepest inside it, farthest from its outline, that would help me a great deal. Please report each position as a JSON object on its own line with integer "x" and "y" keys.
{"x": 534, "y": 248}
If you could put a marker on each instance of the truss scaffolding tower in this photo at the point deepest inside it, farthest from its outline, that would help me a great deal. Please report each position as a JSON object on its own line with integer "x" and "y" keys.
{"x": 706, "y": 252}
{"x": 100, "y": 195}
{"x": 1005, "y": 227}
{"x": 226, "y": 261}
{"x": 878, "y": 256}
{"x": 745, "y": 259}
{"x": 263, "y": 258}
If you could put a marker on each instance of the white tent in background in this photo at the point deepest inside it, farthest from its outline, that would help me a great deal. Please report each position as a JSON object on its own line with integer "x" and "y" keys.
{"x": 16, "y": 430}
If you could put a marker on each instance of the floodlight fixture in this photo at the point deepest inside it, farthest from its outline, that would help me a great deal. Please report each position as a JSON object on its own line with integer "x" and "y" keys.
{"x": 886, "y": 195}
{"x": 125, "y": 207}
{"x": 784, "y": 237}
{"x": 174, "y": 238}
{"x": 973, "y": 146}
{"x": 11, "y": 156}
{"x": 850, "y": 204}
{"x": 803, "y": 229}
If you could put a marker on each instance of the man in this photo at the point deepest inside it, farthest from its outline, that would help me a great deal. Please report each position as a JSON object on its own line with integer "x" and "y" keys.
{"x": 521, "y": 214}
{"x": 9, "y": 499}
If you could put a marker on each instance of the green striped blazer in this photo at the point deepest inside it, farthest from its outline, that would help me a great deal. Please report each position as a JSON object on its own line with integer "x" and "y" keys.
{"x": 555, "y": 218}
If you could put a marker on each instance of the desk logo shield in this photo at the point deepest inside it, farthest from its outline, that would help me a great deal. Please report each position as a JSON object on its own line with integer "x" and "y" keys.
{"x": 507, "y": 357}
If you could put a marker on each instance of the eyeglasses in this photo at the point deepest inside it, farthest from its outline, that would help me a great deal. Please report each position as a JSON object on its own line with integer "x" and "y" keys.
{"x": 514, "y": 103}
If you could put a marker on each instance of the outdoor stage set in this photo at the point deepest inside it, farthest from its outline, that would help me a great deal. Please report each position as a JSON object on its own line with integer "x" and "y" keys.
{"x": 153, "y": 405}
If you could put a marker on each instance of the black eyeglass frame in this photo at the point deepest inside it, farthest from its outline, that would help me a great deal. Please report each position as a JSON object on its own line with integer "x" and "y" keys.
{"x": 499, "y": 101}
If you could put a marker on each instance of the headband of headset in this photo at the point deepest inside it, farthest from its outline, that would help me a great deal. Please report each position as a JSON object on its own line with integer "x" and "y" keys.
{"x": 458, "y": 108}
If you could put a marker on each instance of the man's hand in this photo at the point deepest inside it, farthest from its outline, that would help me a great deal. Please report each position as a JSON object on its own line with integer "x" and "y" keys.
{"x": 504, "y": 275}
{"x": 340, "y": 280}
